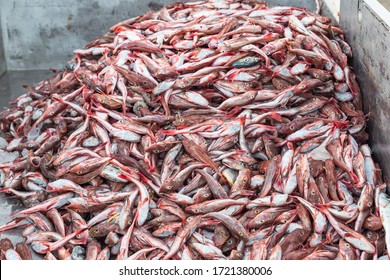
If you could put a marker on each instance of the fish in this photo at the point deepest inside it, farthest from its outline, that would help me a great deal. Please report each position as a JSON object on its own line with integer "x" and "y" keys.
{"x": 204, "y": 130}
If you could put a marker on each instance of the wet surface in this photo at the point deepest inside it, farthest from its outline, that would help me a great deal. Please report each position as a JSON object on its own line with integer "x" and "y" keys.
{"x": 8, "y": 206}
{"x": 11, "y": 83}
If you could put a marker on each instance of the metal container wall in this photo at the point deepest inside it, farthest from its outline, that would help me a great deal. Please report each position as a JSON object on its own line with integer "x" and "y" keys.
{"x": 367, "y": 30}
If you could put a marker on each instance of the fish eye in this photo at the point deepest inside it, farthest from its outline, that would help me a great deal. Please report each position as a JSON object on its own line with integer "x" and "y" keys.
{"x": 261, "y": 221}
{"x": 206, "y": 195}
{"x": 257, "y": 211}
{"x": 241, "y": 233}
{"x": 292, "y": 127}
{"x": 181, "y": 120}
{"x": 96, "y": 230}
{"x": 230, "y": 242}
{"x": 244, "y": 181}
{"x": 346, "y": 245}
{"x": 155, "y": 151}
{"x": 196, "y": 210}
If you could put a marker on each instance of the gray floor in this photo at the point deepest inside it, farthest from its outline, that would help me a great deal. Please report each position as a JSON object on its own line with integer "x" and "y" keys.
{"x": 11, "y": 83}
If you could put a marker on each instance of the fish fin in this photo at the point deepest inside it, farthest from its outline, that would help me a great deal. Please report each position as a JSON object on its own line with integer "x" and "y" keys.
{"x": 168, "y": 132}
{"x": 339, "y": 124}
{"x": 119, "y": 29}
{"x": 276, "y": 116}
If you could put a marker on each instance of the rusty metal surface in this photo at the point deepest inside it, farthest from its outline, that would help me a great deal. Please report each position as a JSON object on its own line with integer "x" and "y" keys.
{"x": 367, "y": 30}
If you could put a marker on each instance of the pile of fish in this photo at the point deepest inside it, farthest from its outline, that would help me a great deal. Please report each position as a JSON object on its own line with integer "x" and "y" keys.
{"x": 213, "y": 129}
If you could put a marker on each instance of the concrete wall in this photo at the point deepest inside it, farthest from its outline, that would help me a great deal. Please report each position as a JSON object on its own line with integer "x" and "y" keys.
{"x": 41, "y": 34}
{"x": 3, "y": 62}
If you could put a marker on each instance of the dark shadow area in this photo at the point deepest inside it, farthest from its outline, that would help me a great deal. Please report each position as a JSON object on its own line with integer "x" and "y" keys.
{"x": 11, "y": 83}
